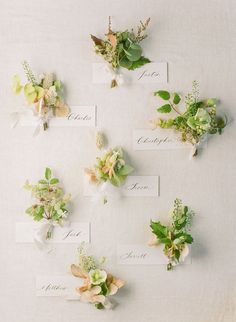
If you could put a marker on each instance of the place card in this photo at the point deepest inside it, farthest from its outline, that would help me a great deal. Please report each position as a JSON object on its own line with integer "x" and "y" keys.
{"x": 57, "y": 285}
{"x": 159, "y": 139}
{"x": 79, "y": 116}
{"x": 73, "y": 233}
{"x": 137, "y": 254}
{"x": 149, "y": 73}
{"x": 134, "y": 186}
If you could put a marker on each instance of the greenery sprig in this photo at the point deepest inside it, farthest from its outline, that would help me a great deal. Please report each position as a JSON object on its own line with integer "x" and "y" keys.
{"x": 197, "y": 120}
{"x": 50, "y": 201}
{"x": 176, "y": 236}
{"x": 99, "y": 285}
{"x": 122, "y": 48}
{"x": 44, "y": 92}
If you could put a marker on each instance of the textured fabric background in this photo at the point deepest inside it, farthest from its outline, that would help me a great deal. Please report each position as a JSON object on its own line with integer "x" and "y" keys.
{"x": 198, "y": 40}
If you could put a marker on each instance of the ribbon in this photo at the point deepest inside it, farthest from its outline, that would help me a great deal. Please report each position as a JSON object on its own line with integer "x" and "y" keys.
{"x": 16, "y": 116}
{"x": 114, "y": 75}
{"x": 42, "y": 118}
{"x": 45, "y": 231}
{"x": 195, "y": 147}
{"x": 106, "y": 190}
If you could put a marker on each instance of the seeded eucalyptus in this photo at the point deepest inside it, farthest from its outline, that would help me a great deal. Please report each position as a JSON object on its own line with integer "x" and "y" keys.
{"x": 176, "y": 236}
{"x": 197, "y": 120}
{"x": 122, "y": 48}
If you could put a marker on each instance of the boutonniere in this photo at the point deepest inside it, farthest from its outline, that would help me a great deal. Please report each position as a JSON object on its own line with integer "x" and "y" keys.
{"x": 43, "y": 93}
{"x": 109, "y": 171}
{"x": 122, "y": 49}
{"x": 175, "y": 237}
{"x": 99, "y": 285}
{"x": 50, "y": 207}
{"x": 198, "y": 118}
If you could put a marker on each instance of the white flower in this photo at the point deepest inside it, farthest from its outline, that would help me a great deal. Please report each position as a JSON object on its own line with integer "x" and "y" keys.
{"x": 97, "y": 276}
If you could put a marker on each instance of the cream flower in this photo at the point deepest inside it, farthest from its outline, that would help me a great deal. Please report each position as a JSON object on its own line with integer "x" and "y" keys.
{"x": 97, "y": 276}
{"x": 153, "y": 240}
{"x": 92, "y": 295}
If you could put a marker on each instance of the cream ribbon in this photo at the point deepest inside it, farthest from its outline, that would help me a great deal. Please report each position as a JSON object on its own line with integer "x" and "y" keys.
{"x": 114, "y": 75}
{"x": 16, "y": 116}
{"x": 42, "y": 118}
{"x": 23, "y": 111}
{"x": 105, "y": 190}
{"x": 45, "y": 232}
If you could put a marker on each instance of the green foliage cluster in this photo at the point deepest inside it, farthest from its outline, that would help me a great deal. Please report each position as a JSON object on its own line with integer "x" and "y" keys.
{"x": 122, "y": 48}
{"x": 50, "y": 200}
{"x": 112, "y": 167}
{"x": 176, "y": 236}
{"x": 37, "y": 87}
{"x": 198, "y": 119}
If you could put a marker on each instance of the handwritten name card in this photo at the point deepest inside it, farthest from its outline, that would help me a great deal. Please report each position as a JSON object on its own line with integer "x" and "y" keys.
{"x": 149, "y": 73}
{"x": 158, "y": 139}
{"x": 136, "y": 254}
{"x": 59, "y": 285}
{"x": 81, "y": 116}
{"x": 73, "y": 233}
{"x": 134, "y": 186}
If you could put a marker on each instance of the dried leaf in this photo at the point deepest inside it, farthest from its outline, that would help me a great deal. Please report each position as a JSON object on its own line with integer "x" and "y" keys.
{"x": 97, "y": 41}
{"x": 61, "y": 109}
{"x": 76, "y": 271}
{"x": 113, "y": 39}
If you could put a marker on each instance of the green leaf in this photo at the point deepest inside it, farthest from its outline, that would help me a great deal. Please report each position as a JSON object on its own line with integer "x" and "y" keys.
{"x": 104, "y": 288}
{"x": 30, "y": 93}
{"x": 16, "y": 85}
{"x": 133, "y": 54}
{"x": 165, "y": 241}
{"x": 163, "y": 94}
{"x": 188, "y": 238}
{"x": 159, "y": 230}
{"x": 164, "y": 108}
{"x": 177, "y": 254}
{"x": 211, "y": 102}
{"x": 139, "y": 63}
{"x": 125, "y": 62}
{"x": 176, "y": 99}
{"x": 48, "y": 173}
{"x": 125, "y": 170}
{"x": 221, "y": 123}
{"x": 54, "y": 181}
{"x": 42, "y": 182}
{"x": 38, "y": 213}
{"x": 40, "y": 91}
{"x": 58, "y": 85}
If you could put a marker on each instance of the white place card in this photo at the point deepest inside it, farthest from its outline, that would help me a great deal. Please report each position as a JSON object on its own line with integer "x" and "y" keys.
{"x": 136, "y": 254}
{"x": 134, "y": 186}
{"x": 73, "y": 233}
{"x": 149, "y": 73}
{"x": 57, "y": 285}
{"x": 79, "y": 116}
{"x": 159, "y": 139}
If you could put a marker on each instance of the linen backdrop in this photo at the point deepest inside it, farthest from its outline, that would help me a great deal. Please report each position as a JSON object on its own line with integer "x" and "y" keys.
{"x": 198, "y": 40}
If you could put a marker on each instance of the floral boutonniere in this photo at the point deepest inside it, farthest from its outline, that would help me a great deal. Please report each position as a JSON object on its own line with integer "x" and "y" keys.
{"x": 111, "y": 169}
{"x": 99, "y": 285}
{"x": 122, "y": 49}
{"x": 176, "y": 236}
{"x": 197, "y": 120}
{"x": 44, "y": 93}
{"x": 50, "y": 206}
